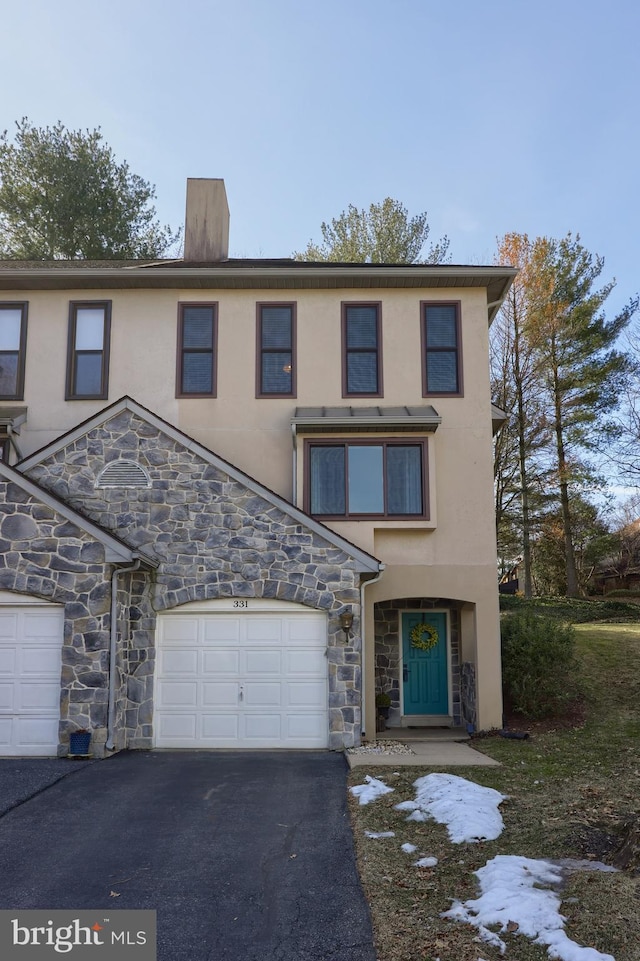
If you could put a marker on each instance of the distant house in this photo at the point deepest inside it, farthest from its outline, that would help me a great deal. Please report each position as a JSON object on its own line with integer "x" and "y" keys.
{"x": 620, "y": 571}
{"x": 238, "y": 497}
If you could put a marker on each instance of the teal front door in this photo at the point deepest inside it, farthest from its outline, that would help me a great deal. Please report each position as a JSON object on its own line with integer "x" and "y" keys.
{"x": 425, "y": 682}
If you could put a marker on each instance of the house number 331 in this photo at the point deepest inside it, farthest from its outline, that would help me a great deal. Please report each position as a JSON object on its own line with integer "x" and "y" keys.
{"x": 238, "y": 603}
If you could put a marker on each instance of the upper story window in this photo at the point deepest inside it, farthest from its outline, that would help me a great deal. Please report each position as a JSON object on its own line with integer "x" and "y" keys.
{"x": 367, "y": 479}
{"x": 88, "y": 350}
{"x": 276, "y": 353}
{"x": 361, "y": 350}
{"x": 13, "y": 342}
{"x": 197, "y": 348}
{"x": 441, "y": 349}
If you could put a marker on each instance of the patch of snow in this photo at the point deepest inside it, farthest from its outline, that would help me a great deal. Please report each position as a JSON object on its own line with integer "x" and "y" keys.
{"x": 370, "y": 790}
{"x": 425, "y": 863}
{"x": 380, "y": 834}
{"x": 469, "y": 810}
{"x": 408, "y": 848}
{"x": 511, "y": 895}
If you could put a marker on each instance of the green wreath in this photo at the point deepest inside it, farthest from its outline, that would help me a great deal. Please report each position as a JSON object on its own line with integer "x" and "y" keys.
{"x": 424, "y": 637}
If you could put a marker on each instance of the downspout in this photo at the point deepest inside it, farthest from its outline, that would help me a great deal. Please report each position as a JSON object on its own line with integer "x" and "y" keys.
{"x": 113, "y": 647}
{"x": 368, "y": 583}
{"x": 294, "y": 485}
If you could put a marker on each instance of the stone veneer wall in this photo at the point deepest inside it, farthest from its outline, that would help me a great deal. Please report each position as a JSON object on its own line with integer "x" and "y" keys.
{"x": 387, "y": 649}
{"x": 44, "y": 555}
{"x": 468, "y": 692}
{"x": 213, "y": 538}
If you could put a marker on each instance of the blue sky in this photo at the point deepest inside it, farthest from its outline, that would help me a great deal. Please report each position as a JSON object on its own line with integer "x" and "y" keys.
{"x": 493, "y": 116}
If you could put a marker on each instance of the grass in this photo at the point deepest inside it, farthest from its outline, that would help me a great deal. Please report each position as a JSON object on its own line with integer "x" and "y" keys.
{"x": 572, "y": 792}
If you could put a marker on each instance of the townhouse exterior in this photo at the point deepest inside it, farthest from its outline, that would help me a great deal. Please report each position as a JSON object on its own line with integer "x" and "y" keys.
{"x": 239, "y": 498}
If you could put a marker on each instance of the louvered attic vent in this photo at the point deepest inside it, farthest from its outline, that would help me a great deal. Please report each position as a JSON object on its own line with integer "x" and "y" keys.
{"x": 123, "y": 473}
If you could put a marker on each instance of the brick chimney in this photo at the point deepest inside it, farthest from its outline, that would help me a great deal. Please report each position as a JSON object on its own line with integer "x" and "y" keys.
{"x": 206, "y": 230}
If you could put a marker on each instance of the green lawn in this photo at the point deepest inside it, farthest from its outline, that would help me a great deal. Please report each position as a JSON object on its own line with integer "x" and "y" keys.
{"x": 572, "y": 793}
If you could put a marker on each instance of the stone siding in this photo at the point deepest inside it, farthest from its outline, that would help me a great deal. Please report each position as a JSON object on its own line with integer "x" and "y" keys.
{"x": 213, "y": 537}
{"x": 387, "y": 649}
{"x": 468, "y": 692}
{"x": 43, "y": 555}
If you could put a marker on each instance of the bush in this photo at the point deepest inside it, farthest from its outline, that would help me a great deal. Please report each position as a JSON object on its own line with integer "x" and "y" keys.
{"x": 538, "y": 663}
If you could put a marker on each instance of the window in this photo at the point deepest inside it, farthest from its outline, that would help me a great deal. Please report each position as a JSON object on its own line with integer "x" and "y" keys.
{"x": 276, "y": 361}
{"x": 366, "y": 479}
{"x": 197, "y": 343}
{"x": 13, "y": 342}
{"x": 88, "y": 350}
{"x": 5, "y": 447}
{"x": 442, "y": 357}
{"x": 361, "y": 350}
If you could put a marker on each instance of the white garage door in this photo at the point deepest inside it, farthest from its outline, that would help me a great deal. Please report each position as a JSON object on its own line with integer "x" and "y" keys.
{"x": 30, "y": 665}
{"x": 248, "y": 679}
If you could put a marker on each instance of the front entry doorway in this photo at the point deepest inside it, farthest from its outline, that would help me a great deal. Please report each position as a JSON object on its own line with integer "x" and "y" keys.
{"x": 425, "y": 675}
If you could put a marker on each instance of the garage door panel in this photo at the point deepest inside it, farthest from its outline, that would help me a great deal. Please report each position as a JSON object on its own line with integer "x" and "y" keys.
{"x": 306, "y": 694}
{"x": 36, "y": 696}
{"x": 308, "y": 630}
{"x": 221, "y": 727}
{"x": 7, "y": 695}
{"x": 263, "y": 727}
{"x": 265, "y": 694}
{"x": 263, "y": 662}
{"x": 177, "y": 727}
{"x": 306, "y": 662}
{"x": 177, "y": 662}
{"x": 41, "y": 625}
{"x": 223, "y": 630}
{"x": 181, "y": 629}
{"x": 30, "y": 672}
{"x": 178, "y": 693}
{"x": 6, "y": 734}
{"x": 36, "y": 732}
{"x": 221, "y": 662}
{"x": 306, "y": 727}
{"x": 8, "y": 661}
{"x": 8, "y": 626}
{"x": 40, "y": 660}
{"x": 218, "y": 694}
{"x": 253, "y": 686}
{"x": 263, "y": 630}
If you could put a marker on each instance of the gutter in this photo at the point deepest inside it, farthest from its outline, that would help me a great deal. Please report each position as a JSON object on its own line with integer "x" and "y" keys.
{"x": 113, "y": 648}
{"x": 366, "y": 584}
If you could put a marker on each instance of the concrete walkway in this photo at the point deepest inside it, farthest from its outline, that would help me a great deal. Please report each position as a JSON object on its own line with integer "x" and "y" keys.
{"x": 430, "y": 747}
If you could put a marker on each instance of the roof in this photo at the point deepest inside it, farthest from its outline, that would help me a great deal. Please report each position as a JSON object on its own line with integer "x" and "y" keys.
{"x": 248, "y": 273}
{"x": 366, "y": 418}
{"x": 365, "y": 562}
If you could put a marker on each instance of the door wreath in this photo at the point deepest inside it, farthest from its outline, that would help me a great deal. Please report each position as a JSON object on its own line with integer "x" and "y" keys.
{"x": 424, "y": 637}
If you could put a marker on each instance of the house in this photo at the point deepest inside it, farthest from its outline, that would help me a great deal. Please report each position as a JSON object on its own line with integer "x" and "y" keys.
{"x": 240, "y": 497}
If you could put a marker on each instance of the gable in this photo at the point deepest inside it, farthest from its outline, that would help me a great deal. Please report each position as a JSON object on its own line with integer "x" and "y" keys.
{"x": 18, "y": 491}
{"x": 190, "y": 487}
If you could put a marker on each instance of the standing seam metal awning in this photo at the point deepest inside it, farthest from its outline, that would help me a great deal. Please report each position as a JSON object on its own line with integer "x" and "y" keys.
{"x": 315, "y": 419}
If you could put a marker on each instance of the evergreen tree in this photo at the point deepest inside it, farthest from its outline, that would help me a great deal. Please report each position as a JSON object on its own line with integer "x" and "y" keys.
{"x": 583, "y": 371}
{"x": 383, "y": 234}
{"x": 64, "y": 196}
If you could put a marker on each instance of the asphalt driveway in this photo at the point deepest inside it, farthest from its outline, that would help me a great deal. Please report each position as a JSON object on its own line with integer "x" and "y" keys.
{"x": 244, "y": 856}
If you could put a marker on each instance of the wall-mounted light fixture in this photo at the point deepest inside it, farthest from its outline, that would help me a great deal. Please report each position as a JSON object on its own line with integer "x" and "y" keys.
{"x": 346, "y": 622}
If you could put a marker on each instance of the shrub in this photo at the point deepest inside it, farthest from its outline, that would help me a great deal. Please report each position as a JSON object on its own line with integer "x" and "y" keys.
{"x": 538, "y": 663}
